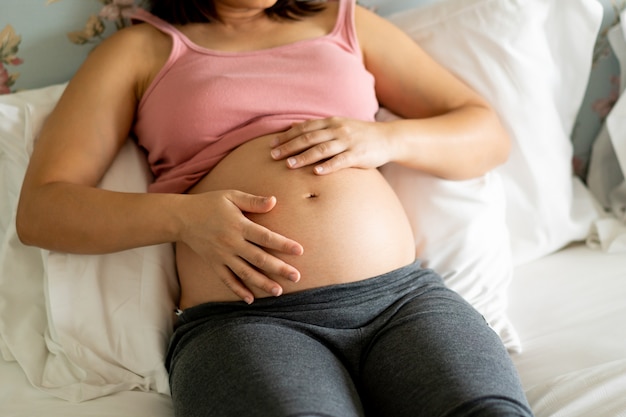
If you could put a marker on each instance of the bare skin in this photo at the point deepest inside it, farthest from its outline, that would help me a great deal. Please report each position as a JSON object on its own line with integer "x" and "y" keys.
{"x": 369, "y": 229}
{"x": 244, "y": 236}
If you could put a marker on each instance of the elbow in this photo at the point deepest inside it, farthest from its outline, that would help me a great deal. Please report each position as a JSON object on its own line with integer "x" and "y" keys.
{"x": 491, "y": 143}
{"x": 499, "y": 143}
{"x": 498, "y": 155}
{"x": 26, "y": 226}
{"x": 33, "y": 208}
{"x": 504, "y": 146}
{"x": 23, "y": 227}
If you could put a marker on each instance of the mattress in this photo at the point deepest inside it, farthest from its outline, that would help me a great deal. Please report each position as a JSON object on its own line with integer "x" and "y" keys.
{"x": 568, "y": 308}
{"x": 18, "y": 398}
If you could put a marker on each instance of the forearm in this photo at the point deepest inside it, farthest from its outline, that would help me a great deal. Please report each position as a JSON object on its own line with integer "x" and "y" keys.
{"x": 81, "y": 219}
{"x": 461, "y": 144}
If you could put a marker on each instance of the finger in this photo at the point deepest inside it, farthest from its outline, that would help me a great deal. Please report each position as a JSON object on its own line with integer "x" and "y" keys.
{"x": 250, "y": 277}
{"x": 294, "y": 131}
{"x": 252, "y": 203}
{"x": 334, "y": 164}
{"x": 267, "y": 239}
{"x": 235, "y": 285}
{"x": 301, "y": 143}
{"x": 301, "y": 136}
{"x": 320, "y": 152}
{"x": 268, "y": 265}
{"x": 298, "y": 129}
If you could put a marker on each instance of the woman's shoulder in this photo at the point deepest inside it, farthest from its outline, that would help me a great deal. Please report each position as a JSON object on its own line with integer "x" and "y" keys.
{"x": 140, "y": 49}
{"x": 141, "y": 38}
{"x": 375, "y": 31}
{"x": 125, "y": 61}
{"x": 366, "y": 17}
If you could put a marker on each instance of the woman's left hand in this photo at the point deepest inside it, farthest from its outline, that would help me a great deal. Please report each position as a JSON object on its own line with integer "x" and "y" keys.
{"x": 332, "y": 144}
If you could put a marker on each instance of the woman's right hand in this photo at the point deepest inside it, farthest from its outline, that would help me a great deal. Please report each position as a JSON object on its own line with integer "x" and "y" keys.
{"x": 235, "y": 247}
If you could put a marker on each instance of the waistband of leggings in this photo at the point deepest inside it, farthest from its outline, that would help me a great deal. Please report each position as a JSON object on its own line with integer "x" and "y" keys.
{"x": 401, "y": 280}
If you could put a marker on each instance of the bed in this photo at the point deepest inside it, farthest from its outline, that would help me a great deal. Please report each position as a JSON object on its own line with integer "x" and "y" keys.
{"x": 538, "y": 245}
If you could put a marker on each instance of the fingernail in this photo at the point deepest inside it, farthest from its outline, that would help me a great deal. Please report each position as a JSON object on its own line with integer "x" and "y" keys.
{"x": 319, "y": 169}
{"x": 277, "y": 291}
{"x": 248, "y": 300}
{"x": 291, "y": 162}
{"x": 275, "y": 153}
{"x": 294, "y": 277}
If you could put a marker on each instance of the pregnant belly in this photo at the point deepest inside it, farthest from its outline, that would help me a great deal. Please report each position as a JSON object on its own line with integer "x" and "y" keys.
{"x": 350, "y": 223}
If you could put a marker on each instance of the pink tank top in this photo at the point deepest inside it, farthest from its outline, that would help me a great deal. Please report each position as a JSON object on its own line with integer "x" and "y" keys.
{"x": 204, "y": 103}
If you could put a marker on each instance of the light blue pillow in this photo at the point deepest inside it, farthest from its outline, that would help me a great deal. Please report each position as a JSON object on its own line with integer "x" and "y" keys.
{"x": 388, "y": 7}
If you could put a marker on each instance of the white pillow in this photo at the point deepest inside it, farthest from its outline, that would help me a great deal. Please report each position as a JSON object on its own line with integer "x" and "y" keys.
{"x": 81, "y": 326}
{"x": 517, "y": 54}
{"x": 112, "y": 315}
{"x": 23, "y": 320}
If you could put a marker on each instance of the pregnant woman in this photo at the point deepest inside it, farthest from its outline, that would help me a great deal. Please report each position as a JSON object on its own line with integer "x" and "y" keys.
{"x": 301, "y": 294}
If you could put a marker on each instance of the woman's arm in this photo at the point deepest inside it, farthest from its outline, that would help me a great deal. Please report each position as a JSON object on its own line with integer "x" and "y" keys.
{"x": 454, "y": 133}
{"x": 448, "y": 130}
{"x": 61, "y": 209}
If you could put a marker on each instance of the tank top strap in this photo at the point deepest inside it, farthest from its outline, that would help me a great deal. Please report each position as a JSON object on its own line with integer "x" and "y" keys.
{"x": 142, "y": 15}
{"x": 345, "y": 29}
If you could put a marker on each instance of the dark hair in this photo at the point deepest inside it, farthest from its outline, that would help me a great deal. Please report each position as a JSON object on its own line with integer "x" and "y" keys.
{"x": 181, "y": 12}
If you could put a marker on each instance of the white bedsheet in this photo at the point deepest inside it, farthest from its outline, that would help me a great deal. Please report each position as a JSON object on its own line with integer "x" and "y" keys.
{"x": 20, "y": 399}
{"x": 569, "y": 309}
{"x": 599, "y": 391}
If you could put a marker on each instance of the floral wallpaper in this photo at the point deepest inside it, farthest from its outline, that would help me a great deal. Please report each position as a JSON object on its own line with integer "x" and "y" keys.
{"x": 116, "y": 11}
{"x": 108, "y": 15}
{"x": 9, "y": 45}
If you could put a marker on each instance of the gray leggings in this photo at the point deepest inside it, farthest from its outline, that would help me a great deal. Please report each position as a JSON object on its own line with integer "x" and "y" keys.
{"x": 400, "y": 344}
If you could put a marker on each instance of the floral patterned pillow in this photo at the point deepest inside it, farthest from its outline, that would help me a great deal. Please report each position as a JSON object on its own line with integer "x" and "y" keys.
{"x": 602, "y": 91}
{"x": 9, "y": 44}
